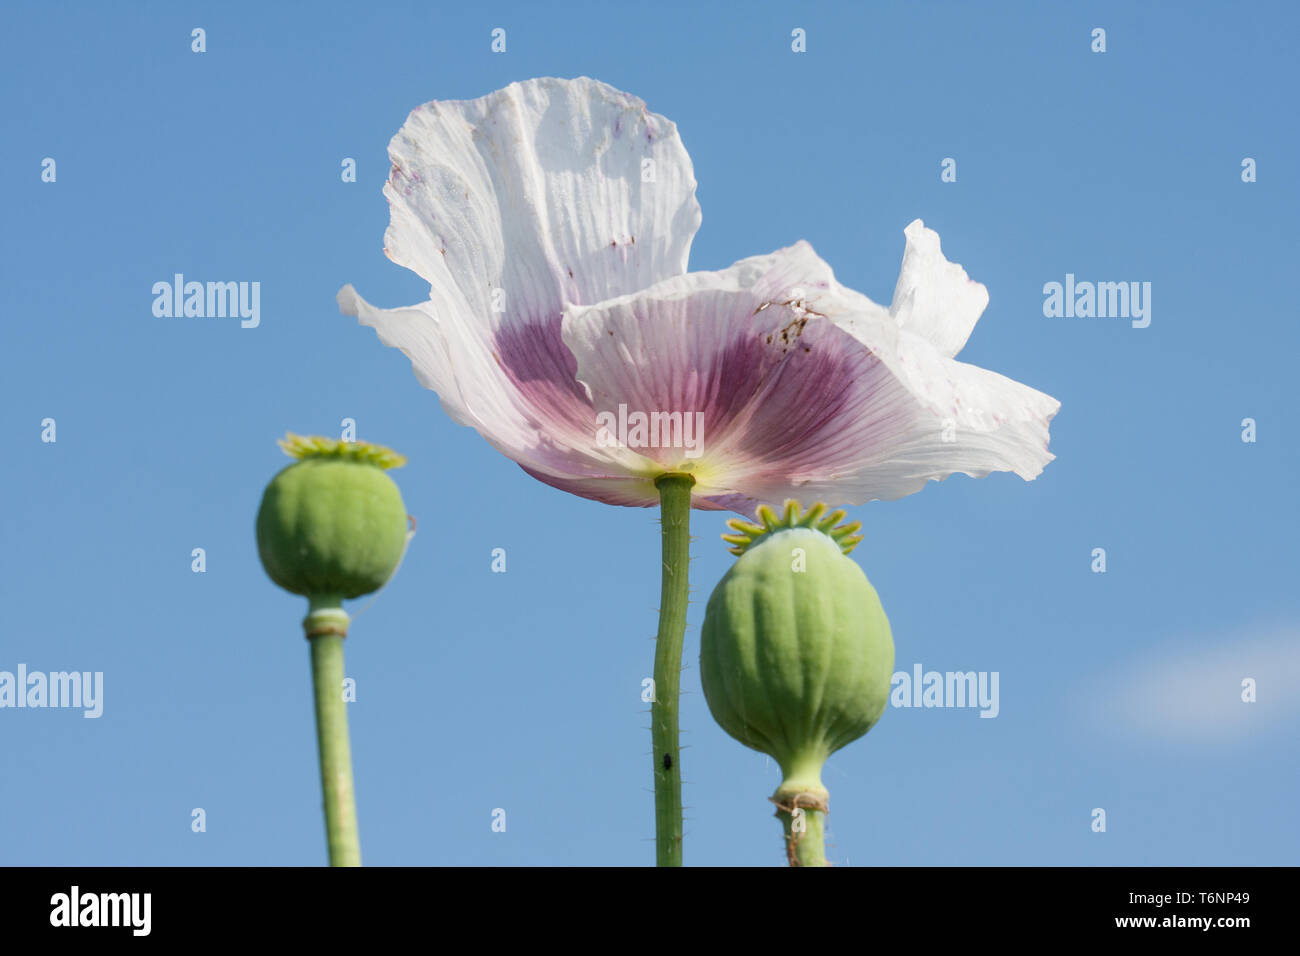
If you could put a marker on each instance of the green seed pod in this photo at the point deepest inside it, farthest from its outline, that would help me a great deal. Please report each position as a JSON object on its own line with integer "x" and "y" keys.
{"x": 332, "y": 525}
{"x": 796, "y": 654}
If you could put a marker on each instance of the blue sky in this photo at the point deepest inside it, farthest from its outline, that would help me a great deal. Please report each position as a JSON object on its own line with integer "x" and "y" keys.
{"x": 521, "y": 690}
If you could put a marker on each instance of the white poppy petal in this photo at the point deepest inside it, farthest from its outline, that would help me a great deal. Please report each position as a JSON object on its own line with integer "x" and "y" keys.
{"x": 544, "y": 422}
{"x": 914, "y": 417}
{"x": 546, "y": 192}
{"x": 802, "y": 388}
{"x": 935, "y": 298}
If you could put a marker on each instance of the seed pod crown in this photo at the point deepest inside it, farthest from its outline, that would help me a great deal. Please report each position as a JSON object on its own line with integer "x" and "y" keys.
{"x": 332, "y": 524}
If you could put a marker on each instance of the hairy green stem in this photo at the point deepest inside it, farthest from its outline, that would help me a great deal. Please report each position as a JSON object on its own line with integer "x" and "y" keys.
{"x": 805, "y": 846}
{"x": 326, "y": 626}
{"x": 675, "y": 520}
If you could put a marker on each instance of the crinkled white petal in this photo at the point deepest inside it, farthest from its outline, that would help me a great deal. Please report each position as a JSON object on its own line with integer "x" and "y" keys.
{"x": 803, "y": 388}
{"x": 547, "y": 192}
{"x": 545, "y": 424}
{"x": 934, "y": 298}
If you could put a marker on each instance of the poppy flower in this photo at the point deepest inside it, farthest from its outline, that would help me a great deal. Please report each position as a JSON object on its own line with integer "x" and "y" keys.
{"x": 553, "y": 220}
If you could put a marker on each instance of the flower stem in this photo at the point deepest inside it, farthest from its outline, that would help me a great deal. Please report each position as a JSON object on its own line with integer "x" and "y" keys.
{"x": 675, "y": 521}
{"x": 803, "y": 792}
{"x": 326, "y": 626}
{"x": 806, "y": 848}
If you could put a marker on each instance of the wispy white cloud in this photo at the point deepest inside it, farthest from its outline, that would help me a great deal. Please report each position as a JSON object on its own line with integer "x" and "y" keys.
{"x": 1193, "y": 691}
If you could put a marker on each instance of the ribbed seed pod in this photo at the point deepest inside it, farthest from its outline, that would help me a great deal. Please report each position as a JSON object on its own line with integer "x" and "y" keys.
{"x": 332, "y": 524}
{"x": 796, "y": 653}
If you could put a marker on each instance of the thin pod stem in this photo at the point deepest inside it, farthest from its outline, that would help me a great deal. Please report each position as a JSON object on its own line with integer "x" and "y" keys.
{"x": 805, "y": 841}
{"x": 675, "y": 519}
{"x": 326, "y": 626}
